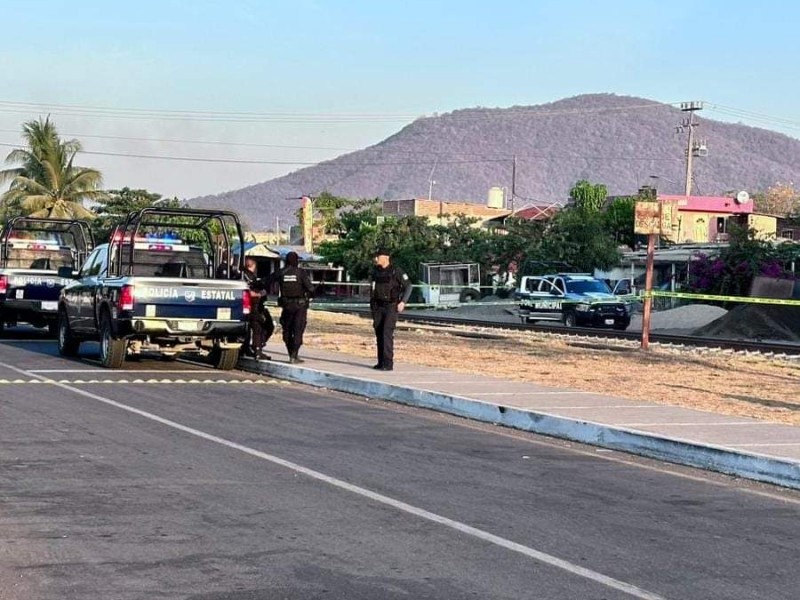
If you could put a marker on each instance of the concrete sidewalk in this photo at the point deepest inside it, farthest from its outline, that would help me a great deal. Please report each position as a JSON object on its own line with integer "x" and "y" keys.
{"x": 734, "y": 445}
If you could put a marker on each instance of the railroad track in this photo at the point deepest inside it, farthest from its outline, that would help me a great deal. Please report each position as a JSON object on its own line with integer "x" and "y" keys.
{"x": 582, "y": 333}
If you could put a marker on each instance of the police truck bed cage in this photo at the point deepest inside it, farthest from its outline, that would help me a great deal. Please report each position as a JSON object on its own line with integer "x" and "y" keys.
{"x": 41, "y": 233}
{"x": 217, "y": 232}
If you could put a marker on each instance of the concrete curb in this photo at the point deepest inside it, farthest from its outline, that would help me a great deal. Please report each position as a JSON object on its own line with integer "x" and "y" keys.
{"x": 757, "y": 467}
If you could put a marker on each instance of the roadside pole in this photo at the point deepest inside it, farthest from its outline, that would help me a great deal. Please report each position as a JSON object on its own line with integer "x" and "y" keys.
{"x": 648, "y": 287}
{"x": 647, "y": 221}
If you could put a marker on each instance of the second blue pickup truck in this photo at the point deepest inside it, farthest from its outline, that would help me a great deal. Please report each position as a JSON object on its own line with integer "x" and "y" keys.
{"x": 37, "y": 258}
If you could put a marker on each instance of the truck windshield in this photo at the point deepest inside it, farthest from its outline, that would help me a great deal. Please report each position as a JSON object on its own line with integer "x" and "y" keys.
{"x": 587, "y": 286}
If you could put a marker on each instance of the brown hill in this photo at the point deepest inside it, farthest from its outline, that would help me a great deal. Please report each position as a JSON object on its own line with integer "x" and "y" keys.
{"x": 616, "y": 140}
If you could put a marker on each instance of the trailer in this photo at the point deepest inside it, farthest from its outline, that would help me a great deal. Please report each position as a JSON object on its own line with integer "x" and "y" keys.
{"x": 450, "y": 283}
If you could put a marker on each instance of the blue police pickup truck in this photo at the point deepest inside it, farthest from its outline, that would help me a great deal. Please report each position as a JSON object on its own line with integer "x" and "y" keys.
{"x": 574, "y": 299}
{"x": 32, "y": 252}
{"x": 149, "y": 291}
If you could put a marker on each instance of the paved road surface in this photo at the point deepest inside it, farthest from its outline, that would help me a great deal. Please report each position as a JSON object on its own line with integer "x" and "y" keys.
{"x": 170, "y": 480}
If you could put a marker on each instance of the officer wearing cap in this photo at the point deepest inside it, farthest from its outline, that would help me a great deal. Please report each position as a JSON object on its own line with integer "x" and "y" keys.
{"x": 390, "y": 291}
{"x": 295, "y": 292}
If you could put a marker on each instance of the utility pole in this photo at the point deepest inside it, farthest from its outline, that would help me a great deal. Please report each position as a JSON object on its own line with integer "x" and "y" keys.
{"x": 692, "y": 148}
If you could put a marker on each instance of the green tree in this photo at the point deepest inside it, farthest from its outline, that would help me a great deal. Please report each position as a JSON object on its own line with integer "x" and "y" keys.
{"x": 118, "y": 203}
{"x": 578, "y": 238}
{"x": 518, "y": 243}
{"x": 326, "y": 208}
{"x": 619, "y": 220}
{"x": 412, "y": 241}
{"x": 357, "y": 241}
{"x": 46, "y": 182}
{"x": 588, "y": 196}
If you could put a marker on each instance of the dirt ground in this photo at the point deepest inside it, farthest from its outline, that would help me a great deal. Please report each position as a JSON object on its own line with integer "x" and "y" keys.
{"x": 732, "y": 384}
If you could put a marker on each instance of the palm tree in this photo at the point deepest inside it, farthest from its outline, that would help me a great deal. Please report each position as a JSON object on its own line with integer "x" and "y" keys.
{"x": 47, "y": 183}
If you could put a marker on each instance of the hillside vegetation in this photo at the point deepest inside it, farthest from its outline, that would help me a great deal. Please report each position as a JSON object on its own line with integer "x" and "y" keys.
{"x": 616, "y": 140}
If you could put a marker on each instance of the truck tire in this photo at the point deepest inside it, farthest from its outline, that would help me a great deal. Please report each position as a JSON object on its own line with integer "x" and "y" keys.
{"x": 112, "y": 349}
{"x": 67, "y": 344}
{"x": 570, "y": 319}
{"x": 468, "y": 295}
{"x": 224, "y": 359}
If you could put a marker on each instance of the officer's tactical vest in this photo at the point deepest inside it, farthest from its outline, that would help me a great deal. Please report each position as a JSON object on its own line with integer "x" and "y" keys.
{"x": 385, "y": 287}
{"x": 291, "y": 286}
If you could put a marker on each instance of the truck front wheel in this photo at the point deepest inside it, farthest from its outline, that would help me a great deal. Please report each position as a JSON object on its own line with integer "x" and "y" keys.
{"x": 112, "y": 349}
{"x": 570, "y": 320}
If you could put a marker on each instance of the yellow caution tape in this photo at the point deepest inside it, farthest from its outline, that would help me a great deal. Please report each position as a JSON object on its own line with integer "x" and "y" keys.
{"x": 744, "y": 299}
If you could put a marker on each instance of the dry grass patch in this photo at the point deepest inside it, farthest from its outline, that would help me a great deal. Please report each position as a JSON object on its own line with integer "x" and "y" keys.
{"x": 751, "y": 386}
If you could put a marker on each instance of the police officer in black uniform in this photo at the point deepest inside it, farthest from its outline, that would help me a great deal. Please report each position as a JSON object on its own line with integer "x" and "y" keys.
{"x": 295, "y": 292}
{"x": 261, "y": 327}
{"x": 391, "y": 289}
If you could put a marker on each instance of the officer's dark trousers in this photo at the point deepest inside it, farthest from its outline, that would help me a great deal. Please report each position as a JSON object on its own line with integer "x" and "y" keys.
{"x": 261, "y": 329}
{"x": 293, "y": 323}
{"x": 384, "y": 320}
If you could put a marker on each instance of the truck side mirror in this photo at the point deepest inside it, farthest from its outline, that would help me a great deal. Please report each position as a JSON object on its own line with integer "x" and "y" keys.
{"x": 65, "y": 272}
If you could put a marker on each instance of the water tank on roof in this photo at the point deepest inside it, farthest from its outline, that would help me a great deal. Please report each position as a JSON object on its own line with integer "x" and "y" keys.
{"x": 497, "y": 197}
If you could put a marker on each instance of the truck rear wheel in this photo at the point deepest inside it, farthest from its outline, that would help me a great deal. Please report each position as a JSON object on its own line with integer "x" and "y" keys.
{"x": 112, "y": 349}
{"x": 67, "y": 344}
{"x": 224, "y": 359}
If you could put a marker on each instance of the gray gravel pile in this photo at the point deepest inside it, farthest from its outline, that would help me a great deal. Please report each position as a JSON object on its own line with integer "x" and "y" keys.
{"x": 756, "y": 322}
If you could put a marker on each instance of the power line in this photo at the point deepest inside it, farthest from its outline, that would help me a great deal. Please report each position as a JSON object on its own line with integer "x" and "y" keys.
{"x": 754, "y": 116}
{"x": 470, "y": 114}
{"x": 201, "y": 142}
{"x": 337, "y": 163}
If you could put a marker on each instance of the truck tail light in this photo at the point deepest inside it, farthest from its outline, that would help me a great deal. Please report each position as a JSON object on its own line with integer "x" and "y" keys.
{"x": 3, "y": 284}
{"x": 126, "y": 298}
{"x": 246, "y": 302}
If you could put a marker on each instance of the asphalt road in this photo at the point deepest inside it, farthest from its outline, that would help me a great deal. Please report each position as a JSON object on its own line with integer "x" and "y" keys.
{"x": 171, "y": 480}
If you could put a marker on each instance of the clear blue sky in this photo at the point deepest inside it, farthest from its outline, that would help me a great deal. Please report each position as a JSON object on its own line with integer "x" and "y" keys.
{"x": 344, "y": 75}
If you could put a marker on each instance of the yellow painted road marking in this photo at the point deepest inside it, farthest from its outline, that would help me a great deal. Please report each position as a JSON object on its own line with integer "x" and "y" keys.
{"x": 150, "y": 381}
